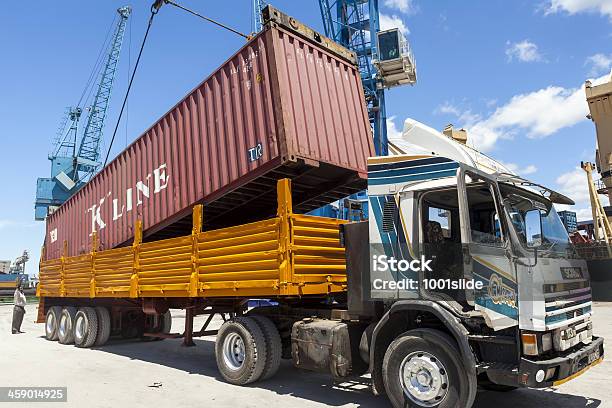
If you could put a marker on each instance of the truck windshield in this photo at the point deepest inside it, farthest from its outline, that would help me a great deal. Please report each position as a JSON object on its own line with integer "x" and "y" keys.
{"x": 554, "y": 235}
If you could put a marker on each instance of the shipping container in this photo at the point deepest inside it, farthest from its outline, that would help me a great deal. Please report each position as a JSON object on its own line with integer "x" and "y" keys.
{"x": 286, "y": 105}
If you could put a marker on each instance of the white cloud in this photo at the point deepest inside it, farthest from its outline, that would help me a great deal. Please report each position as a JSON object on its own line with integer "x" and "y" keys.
{"x": 603, "y": 7}
{"x": 404, "y": 6}
{"x": 464, "y": 116}
{"x": 448, "y": 108}
{"x": 525, "y": 51}
{"x": 392, "y": 131}
{"x": 521, "y": 171}
{"x": 599, "y": 63}
{"x": 538, "y": 114}
{"x": 388, "y": 22}
{"x": 574, "y": 185}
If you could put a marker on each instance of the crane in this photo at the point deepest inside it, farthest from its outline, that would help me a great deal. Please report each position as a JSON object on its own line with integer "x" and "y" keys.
{"x": 74, "y": 159}
{"x": 258, "y": 6}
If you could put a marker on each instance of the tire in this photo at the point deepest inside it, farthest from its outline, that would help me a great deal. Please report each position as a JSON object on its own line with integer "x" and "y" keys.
{"x": 86, "y": 327}
{"x": 240, "y": 333}
{"x": 52, "y": 323}
{"x": 104, "y": 326}
{"x": 65, "y": 330}
{"x": 429, "y": 351}
{"x": 274, "y": 346}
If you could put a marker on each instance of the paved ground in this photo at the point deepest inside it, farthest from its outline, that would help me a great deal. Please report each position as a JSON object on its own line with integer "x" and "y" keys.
{"x": 163, "y": 374}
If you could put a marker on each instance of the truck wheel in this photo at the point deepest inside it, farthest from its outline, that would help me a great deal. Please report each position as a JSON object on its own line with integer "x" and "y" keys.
{"x": 274, "y": 346}
{"x": 104, "y": 326}
{"x": 422, "y": 368}
{"x": 240, "y": 351}
{"x": 85, "y": 327}
{"x": 52, "y": 323}
{"x": 65, "y": 330}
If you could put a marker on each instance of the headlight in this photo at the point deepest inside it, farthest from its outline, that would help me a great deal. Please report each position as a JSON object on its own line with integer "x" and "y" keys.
{"x": 530, "y": 344}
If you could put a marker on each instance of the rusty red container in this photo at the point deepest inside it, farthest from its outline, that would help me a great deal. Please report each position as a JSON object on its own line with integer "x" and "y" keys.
{"x": 282, "y": 106}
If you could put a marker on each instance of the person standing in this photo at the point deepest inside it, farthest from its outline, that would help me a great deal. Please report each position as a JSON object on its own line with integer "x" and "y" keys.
{"x": 19, "y": 309}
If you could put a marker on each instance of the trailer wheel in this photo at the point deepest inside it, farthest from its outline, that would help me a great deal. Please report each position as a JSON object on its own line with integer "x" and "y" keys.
{"x": 65, "y": 330}
{"x": 52, "y": 323}
{"x": 104, "y": 326}
{"x": 422, "y": 368}
{"x": 240, "y": 351}
{"x": 274, "y": 346}
{"x": 86, "y": 327}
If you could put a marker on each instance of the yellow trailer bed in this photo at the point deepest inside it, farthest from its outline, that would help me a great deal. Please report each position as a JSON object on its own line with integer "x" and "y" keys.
{"x": 289, "y": 255}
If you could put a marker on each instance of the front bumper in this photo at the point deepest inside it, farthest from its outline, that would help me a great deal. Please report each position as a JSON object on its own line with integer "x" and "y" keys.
{"x": 565, "y": 368}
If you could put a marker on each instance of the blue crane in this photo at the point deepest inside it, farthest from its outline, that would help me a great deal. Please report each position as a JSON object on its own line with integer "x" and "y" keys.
{"x": 75, "y": 160}
{"x": 258, "y": 6}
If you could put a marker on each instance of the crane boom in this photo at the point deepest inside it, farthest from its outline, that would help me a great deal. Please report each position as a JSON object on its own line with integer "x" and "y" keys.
{"x": 89, "y": 149}
{"x": 74, "y": 160}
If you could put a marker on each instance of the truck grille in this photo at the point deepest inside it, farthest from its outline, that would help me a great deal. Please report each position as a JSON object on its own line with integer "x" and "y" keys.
{"x": 574, "y": 313}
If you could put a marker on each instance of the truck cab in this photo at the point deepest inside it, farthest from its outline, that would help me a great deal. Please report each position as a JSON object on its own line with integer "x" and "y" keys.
{"x": 468, "y": 256}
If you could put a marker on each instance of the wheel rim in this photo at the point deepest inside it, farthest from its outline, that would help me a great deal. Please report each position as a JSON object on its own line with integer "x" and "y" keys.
{"x": 80, "y": 328}
{"x": 233, "y": 351}
{"x": 424, "y": 379}
{"x": 50, "y": 323}
{"x": 62, "y": 326}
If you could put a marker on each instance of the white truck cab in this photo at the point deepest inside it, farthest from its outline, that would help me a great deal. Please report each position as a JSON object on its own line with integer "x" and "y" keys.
{"x": 453, "y": 230}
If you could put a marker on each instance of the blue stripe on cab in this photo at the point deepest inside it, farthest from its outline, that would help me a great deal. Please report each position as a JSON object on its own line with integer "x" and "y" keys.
{"x": 375, "y": 181}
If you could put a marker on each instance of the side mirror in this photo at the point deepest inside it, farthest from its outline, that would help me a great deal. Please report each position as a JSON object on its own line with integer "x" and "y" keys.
{"x": 533, "y": 227}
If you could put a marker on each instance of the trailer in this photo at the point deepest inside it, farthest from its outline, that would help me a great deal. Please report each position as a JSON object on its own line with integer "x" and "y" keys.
{"x": 462, "y": 276}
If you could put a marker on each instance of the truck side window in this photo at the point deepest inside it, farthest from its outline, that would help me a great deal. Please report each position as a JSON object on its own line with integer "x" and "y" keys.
{"x": 443, "y": 218}
{"x": 441, "y": 233}
{"x": 484, "y": 220}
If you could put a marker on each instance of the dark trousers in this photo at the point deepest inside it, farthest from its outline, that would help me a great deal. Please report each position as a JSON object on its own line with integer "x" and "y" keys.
{"x": 18, "y": 312}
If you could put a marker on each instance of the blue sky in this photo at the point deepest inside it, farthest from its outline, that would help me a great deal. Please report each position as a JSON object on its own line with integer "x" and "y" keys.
{"x": 509, "y": 71}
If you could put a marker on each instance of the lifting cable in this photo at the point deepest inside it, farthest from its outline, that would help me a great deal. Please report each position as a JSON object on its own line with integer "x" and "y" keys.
{"x": 154, "y": 10}
{"x": 158, "y": 3}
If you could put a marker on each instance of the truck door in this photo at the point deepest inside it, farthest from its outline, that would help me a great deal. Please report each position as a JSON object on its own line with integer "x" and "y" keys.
{"x": 486, "y": 249}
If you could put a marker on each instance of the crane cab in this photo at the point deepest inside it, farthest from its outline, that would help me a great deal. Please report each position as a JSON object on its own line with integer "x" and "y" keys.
{"x": 395, "y": 63}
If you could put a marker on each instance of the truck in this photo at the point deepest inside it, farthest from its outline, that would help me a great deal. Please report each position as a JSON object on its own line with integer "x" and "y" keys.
{"x": 462, "y": 276}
